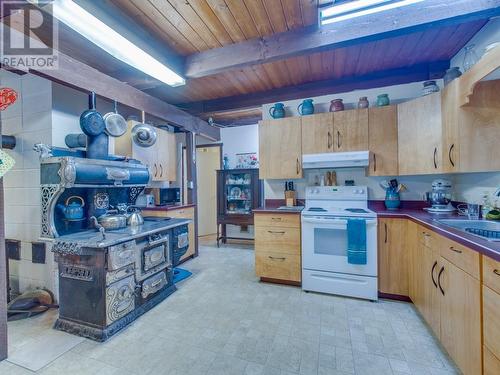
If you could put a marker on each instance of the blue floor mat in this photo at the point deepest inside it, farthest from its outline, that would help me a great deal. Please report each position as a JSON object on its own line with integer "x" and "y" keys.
{"x": 181, "y": 274}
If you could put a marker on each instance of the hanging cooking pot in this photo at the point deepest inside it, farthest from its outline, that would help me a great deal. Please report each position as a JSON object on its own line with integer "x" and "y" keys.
{"x": 91, "y": 121}
{"x": 115, "y": 124}
{"x": 144, "y": 135}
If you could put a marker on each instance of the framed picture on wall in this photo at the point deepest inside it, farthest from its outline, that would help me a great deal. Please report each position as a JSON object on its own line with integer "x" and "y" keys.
{"x": 247, "y": 160}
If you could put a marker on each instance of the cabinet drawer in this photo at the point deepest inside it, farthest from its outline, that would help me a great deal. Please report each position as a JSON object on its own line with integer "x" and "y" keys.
{"x": 277, "y": 220}
{"x": 427, "y": 237}
{"x": 491, "y": 320}
{"x": 491, "y": 363}
{"x": 278, "y": 266}
{"x": 187, "y": 213}
{"x": 460, "y": 256}
{"x": 278, "y": 240}
{"x": 491, "y": 273}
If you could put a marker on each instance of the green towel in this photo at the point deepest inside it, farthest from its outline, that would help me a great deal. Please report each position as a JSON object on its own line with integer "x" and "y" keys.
{"x": 356, "y": 241}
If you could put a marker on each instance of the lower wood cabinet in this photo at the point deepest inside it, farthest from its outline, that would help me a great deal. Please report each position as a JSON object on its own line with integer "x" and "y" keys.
{"x": 179, "y": 213}
{"x": 277, "y": 246}
{"x": 491, "y": 316}
{"x": 392, "y": 256}
{"x": 448, "y": 297}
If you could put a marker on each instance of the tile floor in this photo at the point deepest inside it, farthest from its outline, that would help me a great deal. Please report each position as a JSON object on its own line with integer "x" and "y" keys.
{"x": 223, "y": 321}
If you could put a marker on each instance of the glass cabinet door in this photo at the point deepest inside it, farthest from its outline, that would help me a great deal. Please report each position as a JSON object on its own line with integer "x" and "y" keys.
{"x": 238, "y": 193}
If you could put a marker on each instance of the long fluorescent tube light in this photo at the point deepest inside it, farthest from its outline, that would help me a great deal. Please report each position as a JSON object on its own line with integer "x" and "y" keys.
{"x": 349, "y": 7}
{"x": 365, "y": 12}
{"x": 113, "y": 43}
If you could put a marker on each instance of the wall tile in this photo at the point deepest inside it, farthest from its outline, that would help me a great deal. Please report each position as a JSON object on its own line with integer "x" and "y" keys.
{"x": 12, "y": 126}
{"x": 37, "y": 121}
{"x": 26, "y": 251}
{"x": 14, "y": 267}
{"x": 18, "y": 157}
{"x": 14, "y": 231}
{"x": 13, "y": 179}
{"x": 31, "y": 178}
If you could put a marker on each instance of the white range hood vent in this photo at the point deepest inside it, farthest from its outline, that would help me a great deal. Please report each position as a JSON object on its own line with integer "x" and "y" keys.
{"x": 351, "y": 159}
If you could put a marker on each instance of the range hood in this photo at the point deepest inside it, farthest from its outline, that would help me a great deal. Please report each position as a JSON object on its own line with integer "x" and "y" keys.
{"x": 351, "y": 159}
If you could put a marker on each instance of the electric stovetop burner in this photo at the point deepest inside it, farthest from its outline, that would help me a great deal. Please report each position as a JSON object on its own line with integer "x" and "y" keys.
{"x": 316, "y": 209}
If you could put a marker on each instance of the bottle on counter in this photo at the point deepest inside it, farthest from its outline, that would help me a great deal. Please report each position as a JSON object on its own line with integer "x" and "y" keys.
{"x": 485, "y": 207}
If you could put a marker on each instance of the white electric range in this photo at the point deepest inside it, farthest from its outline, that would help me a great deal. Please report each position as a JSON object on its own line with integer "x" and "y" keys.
{"x": 325, "y": 267}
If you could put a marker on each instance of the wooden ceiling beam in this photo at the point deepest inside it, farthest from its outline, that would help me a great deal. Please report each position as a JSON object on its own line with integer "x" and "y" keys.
{"x": 415, "y": 73}
{"x": 407, "y": 19}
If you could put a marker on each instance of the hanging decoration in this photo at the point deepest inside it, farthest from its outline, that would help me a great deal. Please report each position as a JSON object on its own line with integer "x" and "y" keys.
{"x": 6, "y": 163}
{"x": 8, "y": 96}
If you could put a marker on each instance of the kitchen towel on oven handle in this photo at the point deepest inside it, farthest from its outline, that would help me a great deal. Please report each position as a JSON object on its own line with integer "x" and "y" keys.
{"x": 356, "y": 241}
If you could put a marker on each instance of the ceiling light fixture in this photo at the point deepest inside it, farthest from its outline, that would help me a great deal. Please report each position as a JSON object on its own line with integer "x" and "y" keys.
{"x": 360, "y": 8}
{"x": 113, "y": 43}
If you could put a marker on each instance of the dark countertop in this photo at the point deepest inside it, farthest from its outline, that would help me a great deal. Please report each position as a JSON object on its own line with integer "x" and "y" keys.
{"x": 273, "y": 209}
{"x": 428, "y": 220}
{"x": 168, "y": 208}
{"x": 93, "y": 239}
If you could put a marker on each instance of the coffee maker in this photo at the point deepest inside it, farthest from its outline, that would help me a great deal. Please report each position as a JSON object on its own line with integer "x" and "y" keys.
{"x": 440, "y": 197}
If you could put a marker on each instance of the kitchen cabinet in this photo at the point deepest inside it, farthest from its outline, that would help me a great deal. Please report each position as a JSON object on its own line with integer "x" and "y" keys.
{"x": 280, "y": 148}
{"x": 277, "y": 247}
{"x": 317, "y": 133}
{"x": 447, "y": 296}
{"x": 383, "y": 141}
{"x": 420, "y": 135}
{"x": 392, "y": 257}
{"x": 350, "y": 130}
{"x": 161, "y": 158}
{"x": 491, "y": 317}
{"x": 179, "y": 213}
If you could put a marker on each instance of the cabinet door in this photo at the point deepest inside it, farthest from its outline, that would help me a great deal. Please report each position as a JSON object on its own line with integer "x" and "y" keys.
{"x": 420, "y": 135}
{"x": 383, "y": 140}
{"x": 280, "y": 148}
{"x": 317, "y": 133}
{"x": 430, "y": 291}
{"x": 415, "y": 263}
{"x": 166, "y": 156}
{"x": 450, "y": 120}
{"x": 392, "y": 257}
{"x": 350, "y": 130}
{"x": 491, "y": 320}
{"x": 460, "y": 310}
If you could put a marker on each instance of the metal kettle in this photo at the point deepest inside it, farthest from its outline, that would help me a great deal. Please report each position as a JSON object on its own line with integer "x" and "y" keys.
{"x": 135, "y": 218}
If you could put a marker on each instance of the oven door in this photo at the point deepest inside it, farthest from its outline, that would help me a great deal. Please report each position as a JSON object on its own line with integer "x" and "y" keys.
{"x": 324, "y": 246}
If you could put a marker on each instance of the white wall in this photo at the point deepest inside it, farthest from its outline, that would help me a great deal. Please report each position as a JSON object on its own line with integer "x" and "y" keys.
{"x": 29, "y": 120}
{"x": 240, "y": 139}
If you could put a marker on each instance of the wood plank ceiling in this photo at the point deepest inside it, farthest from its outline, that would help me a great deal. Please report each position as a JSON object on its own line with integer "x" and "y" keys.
{"x": 190, "y": 26}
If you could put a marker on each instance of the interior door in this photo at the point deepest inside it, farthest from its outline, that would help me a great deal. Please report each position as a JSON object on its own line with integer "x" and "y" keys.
{"x": 207, "y": 164}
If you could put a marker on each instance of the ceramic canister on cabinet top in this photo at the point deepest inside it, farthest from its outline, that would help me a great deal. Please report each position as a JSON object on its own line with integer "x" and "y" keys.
{"x": 336, "y": 105}
{"x": 277, "y": 110}
{"x": 306, "y": 107}
{"x": 383, "y": 100}
{"x": 363, "y": 102}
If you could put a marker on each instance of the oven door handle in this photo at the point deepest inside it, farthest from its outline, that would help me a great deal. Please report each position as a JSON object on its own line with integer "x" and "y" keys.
{"x": 333, "y": 222}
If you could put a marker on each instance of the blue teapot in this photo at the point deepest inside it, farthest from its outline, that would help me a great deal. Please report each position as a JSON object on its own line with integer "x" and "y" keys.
{"x": 73, "y": 210}
{"x": 277, "y": 111}
{"x": 306, "y": 107}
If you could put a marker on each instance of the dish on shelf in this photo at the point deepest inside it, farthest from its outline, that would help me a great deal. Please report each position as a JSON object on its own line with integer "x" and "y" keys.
{"x": 235, "y": 193}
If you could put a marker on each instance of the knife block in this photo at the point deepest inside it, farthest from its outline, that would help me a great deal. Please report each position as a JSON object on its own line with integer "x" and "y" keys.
{"x": 290, "y": 198}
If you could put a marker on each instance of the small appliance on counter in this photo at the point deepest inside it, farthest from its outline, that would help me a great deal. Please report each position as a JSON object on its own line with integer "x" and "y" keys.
{"x": 168, "y": 196}
{"x": 290, "y": 194}
{"x": 145, "y": 200}
{"x": 440, "y": 197}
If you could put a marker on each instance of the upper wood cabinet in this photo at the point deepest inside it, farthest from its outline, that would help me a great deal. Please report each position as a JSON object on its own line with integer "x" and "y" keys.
{"x": 383, "y": 141}
{"x": 420, "y": 135}
{"x": 350, "y": 130}
{"x": 280, "y": 145}
{"x": 161, "y": 158}
{"x": 392, "y": 256}
{"x": 317, "y": 133}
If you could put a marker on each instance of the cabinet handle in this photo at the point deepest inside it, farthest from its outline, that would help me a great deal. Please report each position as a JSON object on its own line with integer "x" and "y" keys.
{"x": 156, "y": 169}
{"x": 277, "y": 258}
{"x": 275, "y": 232}
{"x": 435, "y": 154}
{"x": 385, "y": 227}
{"x": 374, "y": 163}
{"x": 298, "y": 166}
{"x": 439, "y": 280}
{"x": 426, "y": 234}
{"x": 455, "y": 250}
{"x": 432, "y": 273}
{"x": 449, "y": 154}
{"x": 161, "y": 170}
{"x": 338, "y": 139}
{"x": 496, "y": 272}
{"x": 330, "y": 141}
{"x": 276, "y": 218}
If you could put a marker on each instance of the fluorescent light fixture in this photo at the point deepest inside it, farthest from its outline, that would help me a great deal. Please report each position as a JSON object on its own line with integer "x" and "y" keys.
{"x": 349, "y": 7}
{"x": 371, "y": 9}
{"x": 113, "y": 43}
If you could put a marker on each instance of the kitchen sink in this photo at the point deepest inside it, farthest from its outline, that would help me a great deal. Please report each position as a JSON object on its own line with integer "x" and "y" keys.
{"x": 486, "y": 229}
